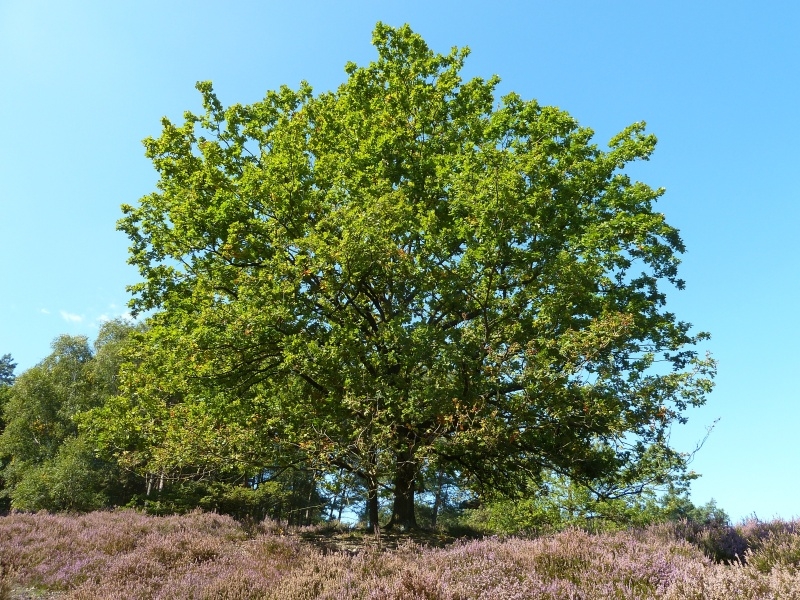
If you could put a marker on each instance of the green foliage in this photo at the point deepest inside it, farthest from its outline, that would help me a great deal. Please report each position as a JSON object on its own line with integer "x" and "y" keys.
{"x": 556, "y": 503}
{"x": 7, "y": 366}
{"x": 553, "y": 504}
{"x": 675, "y": 507}
{"x": 290, "y": 497}
{"x": 243, "y": 502}
{"x": 407, "y": 270}
{"x": 43, "y": 401}
{"x": 7, "y": 377}
{"x": 73, "y": 480}
{"x": 440, "y": 498}
{"x": 48, "y": 463}
{"x": 343, "y": 491}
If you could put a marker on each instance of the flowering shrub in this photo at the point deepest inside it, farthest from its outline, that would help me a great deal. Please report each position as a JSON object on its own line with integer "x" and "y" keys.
{"x": 778, "y": 550}
{"x": 723, "y": 542}
{"x": 128, "y": 555}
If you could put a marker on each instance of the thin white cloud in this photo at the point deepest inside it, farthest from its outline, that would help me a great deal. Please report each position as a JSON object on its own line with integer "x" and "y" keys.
{"x": 114, "y": 313}
{"x": 44, "y": 311}
{"x": 69, "y": 317}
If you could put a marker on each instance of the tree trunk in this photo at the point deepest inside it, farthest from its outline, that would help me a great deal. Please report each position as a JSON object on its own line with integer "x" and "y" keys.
{"x": 342, "y": 505}
{"x": 437, "y": 501}
{"x": 372, "y": 506}
{"x": 403, "y": 515}
{"x": 310, "y": 498}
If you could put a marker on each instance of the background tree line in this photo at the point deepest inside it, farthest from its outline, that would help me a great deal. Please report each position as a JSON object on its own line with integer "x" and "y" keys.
{"x": 50, "y": 462}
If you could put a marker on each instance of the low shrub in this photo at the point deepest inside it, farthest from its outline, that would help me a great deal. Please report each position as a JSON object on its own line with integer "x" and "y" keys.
{"x": 778, "y": 549}
{"x": 719, "y": 541}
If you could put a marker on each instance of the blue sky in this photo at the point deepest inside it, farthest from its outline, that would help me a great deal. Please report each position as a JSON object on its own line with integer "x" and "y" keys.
{"x": 82, "y": 83}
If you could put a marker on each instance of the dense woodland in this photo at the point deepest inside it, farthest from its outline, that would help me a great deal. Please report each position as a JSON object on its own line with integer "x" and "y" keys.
{"x": 406, "y": 302}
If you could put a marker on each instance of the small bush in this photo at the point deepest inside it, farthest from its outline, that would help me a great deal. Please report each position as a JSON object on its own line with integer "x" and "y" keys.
{"x": 719, "y": 541}
{"x": 779, "y": 549}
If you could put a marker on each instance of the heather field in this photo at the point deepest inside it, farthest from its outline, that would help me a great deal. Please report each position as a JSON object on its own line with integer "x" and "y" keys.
{"x": 125, "y": 554}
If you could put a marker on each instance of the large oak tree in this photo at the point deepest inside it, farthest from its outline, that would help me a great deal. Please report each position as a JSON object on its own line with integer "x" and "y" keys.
{"x": 405, "y": 273}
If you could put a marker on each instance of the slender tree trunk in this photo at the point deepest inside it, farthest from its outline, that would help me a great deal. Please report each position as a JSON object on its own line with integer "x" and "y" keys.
{"x": 342, "y": 505}
{"x": 336, "y": 497}
{"x": 310, "y": 498}
{"x": 437, "y": 499}
{"x": 403, "y": 514}
{"x": 372, "y": 506}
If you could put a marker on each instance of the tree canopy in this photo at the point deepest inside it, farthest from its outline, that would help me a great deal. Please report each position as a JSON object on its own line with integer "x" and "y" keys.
{"x": 405, "y": 274}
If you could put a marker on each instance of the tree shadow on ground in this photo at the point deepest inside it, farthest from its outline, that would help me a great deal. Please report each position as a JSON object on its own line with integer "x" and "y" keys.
{"x": 330, "y": 539}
